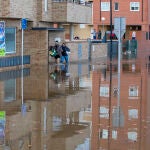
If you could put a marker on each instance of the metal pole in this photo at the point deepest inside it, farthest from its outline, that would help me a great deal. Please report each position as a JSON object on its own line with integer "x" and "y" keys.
{"x": 119, "y": 59}
{"x": 22, "y": 67}
{"x": 110, "y": 84}
{"x": 45, "y": 120}
{"x": 103, "y": 29}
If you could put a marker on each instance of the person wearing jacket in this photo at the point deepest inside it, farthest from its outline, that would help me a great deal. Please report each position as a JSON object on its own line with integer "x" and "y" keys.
{"x": 64, "y": 53}
{"x": 58, "y": 49}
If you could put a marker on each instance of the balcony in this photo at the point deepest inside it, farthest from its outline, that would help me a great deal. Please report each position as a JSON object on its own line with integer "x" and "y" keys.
{"x": 69, "y": 12}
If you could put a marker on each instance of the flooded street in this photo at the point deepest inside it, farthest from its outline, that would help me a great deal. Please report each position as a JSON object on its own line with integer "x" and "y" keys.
{"x": 76, "y": 107}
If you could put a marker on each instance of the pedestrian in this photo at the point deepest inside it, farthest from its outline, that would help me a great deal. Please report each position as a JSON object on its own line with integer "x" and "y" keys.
{"x": 112, "y": 35}
{"x": 94, "y": 34}
{"x": 99, "y": 34}
{"x": 58, "y": 49}
{"x": 64, "y": 53}
{"x": 133, "y": 35}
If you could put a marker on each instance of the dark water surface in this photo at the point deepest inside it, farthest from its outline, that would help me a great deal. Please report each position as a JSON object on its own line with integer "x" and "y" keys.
{"x": 75, "y": 108}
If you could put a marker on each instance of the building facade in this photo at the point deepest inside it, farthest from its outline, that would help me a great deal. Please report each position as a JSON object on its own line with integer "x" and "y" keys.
{"x": 135, "y": 12}
{"x": 45, "y": 24}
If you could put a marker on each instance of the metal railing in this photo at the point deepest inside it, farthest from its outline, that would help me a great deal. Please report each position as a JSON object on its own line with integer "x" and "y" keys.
{"x": 80, "y": 2}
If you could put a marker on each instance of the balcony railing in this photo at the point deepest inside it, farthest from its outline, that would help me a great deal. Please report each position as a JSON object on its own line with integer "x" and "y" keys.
{"x": 80, "y": 2}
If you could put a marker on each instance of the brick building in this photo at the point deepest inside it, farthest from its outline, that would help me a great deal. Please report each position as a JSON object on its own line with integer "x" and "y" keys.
{"x": 45, "y": 23}
{"x": 135, "y": 12}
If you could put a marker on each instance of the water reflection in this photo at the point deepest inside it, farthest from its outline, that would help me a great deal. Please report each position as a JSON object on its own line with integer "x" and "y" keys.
{"x": 69, "y": 108}
{"x": 59, "y": 74}
{"x": 123, "y": 127}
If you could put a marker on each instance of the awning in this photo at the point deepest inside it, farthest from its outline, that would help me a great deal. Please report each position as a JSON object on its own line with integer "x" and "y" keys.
{"x": 47, "y": 28}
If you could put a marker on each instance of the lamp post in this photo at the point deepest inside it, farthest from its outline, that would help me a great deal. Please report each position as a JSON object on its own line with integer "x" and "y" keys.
{"x": 103, "y": 19}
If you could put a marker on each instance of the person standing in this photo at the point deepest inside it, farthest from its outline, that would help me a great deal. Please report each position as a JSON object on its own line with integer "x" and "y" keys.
{"x": 99, "y": 34}
{"x": 133, "y": 35}
{"x": 64, "y": 53}
{"x": 58, "y": 49}
{"x": 94, "y": 34}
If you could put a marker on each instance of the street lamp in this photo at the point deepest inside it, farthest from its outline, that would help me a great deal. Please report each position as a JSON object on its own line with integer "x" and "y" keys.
{"x": 103, "y": 19}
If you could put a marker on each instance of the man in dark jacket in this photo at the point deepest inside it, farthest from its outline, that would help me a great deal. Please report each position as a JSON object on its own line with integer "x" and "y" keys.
{"x": 64, "y": 53}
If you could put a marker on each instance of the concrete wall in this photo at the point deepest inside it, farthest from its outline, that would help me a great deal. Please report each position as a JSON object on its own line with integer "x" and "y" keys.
{"x": 70, "y": 12}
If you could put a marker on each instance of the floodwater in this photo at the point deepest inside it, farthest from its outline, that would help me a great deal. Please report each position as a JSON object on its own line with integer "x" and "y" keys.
{"x": 82, "y": 106}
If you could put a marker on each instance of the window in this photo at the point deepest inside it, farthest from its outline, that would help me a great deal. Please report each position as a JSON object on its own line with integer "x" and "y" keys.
{"x": 45, "y": 5}
{"x": 103, "y": 134}
{"x": 134, "y": 6}
{"x": 10, "y": 40}
{"x": 133, "y": 91}
{"x": 116, "y": 6}
{"x": 82, "y": 26}
{"x": 132, "y": 136}
{"x": 103, "y": 74}
{"x": 10, "y": 90}
{"x": 104, "y": 91}
{"x": 105, "y": 6}
{"x": 104, "y": 112}
{"x": 57, "y": 123}
{"x": 114, "y": 134}
{"x": 133, "y": 113}
{"x": 82, "y": 2}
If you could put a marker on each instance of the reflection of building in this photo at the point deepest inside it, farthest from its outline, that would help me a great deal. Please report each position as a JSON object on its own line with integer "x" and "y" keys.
{"x": 123, "y": 127}
{"x": 50, "y": 122}
{"x": 76, "y": 97}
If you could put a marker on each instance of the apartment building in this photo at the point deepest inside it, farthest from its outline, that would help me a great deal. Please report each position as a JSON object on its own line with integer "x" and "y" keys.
{"x": 45, "y": 23}
{"x": 135, "y": 12}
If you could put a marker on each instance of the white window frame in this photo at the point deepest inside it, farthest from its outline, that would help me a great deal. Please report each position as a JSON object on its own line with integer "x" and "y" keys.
{"x": 114, "y": 134}
{"x": 133, "y": 113}
{"x": 105, "y": 6}
{"x": 133, "y": 93}
{"x": 104, "y": 112}
{"x": 132, "y": 135}
{"x": 135, "y": 5}
{"x": 104, "y": 90}
{"x": 103, "y": 134}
